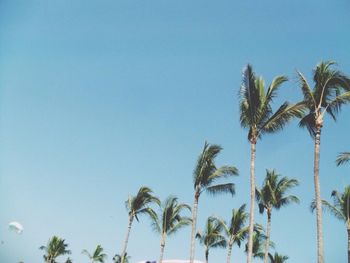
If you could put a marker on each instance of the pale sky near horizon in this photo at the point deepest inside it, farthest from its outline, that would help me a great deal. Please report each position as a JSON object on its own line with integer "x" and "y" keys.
{"x": 98, "y": 98}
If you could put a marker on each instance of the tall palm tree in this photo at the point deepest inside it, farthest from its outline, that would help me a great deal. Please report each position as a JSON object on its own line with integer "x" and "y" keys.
{"x": 136, "y": 206}
{"x": 235, "y": 231}
{"x": 170, "y": 220}
{"x": 330, "y": 92}
{"x": 257, "y": 116}
{"x": 343, "y": 158}
{"x": 97, "y": 255}
{"x": 340, "y": 209}
{"x": 212, "y": 236}
{"x": 271, "y": 195}
{"x": 55, "y": 247}
{"x": 277, "y": 258}
{"x": 205, "y": 176}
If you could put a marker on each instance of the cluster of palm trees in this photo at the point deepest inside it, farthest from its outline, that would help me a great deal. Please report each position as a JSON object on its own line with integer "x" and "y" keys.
{"x": 330, "y": 91}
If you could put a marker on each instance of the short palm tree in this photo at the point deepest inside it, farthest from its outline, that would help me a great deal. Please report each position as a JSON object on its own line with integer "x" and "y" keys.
{"x": 343, "y": 158}
{"x": 257, "y": 116}
{"x": 273, "y": 194}
{"x": 97, "y": 255}
{"x": 212, "y": 236}
{"x": 205, "y": 176}
{"x": 55, "y": 247}
{"x": 235, "y": 231}
{"x": 136, "y": 206}
{"x": 330, "y": 92}
{"x": 340, "y": 209}
{"x": 170, "y": 220}
{"x": 276, "y": 258}
{"x": 69, "y": 260}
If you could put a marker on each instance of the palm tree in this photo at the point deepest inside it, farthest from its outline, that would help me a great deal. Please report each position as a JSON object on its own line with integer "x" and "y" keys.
{"x": 118, "y": 259}
{"x": 170, "y": 220}
{"x": 276, "y": 258}
{"x": 273, "y": 195}
{"x": 69, "y": 260}
{"x": 343, "y": 158}
{"x": 235, "y": 231}
{"x": 340, "y": 209}
{"x": 212, "y": 236}
{"x": 205, "y": 175}
{"x": 257, "y": 116}
{"x": 55, "y": 247}
{"x": 136, "y": 206}
{"x": 97, "y": 255}
{"x": 330, "y": 92}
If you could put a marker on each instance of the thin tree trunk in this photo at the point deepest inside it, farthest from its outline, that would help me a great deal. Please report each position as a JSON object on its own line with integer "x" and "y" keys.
{"x": 194, "y": 222}
{"x": 162, "y": 245}
{"x": 206, "y": 255}
{"x": 268, "y": 227}
{"x": 122, "y": 255}
{"x": 229, "y": 251}
{"x": 320, "y": 258}
{"x": 252, "y": 200}
{"x": 348, "y": 229}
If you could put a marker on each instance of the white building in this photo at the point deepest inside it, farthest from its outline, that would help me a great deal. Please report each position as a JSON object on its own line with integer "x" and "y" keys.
{"x": 170, "y": 261}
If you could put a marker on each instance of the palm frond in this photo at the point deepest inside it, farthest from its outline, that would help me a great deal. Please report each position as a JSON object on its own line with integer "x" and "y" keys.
{"x": 343, "y": 158}
{"x": 307, "y": 92}
{"x": 221, "y": 189}
{"x": 281, "y": 117}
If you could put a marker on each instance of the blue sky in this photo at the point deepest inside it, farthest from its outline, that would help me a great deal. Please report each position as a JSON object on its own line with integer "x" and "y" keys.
{"x": 100, "y": 97}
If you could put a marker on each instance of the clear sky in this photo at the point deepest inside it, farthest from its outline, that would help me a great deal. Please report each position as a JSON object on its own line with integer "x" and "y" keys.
{"x": 98, "y": 98}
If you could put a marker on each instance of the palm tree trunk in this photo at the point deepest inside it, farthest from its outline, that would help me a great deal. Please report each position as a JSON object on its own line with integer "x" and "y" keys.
{"x": 252, "y": 200}
{"x": 194, "y": 222}
{"x": 206, "y": 255}
{"x": 320, "y": 258}
{"x": 268, "y": 227}
{"x": 348, "y": 229}
{"x": 162, "y": 245}
{"x": 229, "y": 251}
{"x": 122, "y": 255}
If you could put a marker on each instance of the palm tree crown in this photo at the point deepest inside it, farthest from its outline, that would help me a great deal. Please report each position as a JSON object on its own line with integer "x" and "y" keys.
{"x": 273, "y": 192}
{"x": 330, "y": 92}
{"x": 212, "y": 236}
{"x": 340, "y": 207}
{"x": 276, "y": 258}
{"x": 140, "y": 204}
{"x": 55, "y": 247}
{"x": 206, "y": 173}
{"x": 256, "y": 112}
{"x": 170, "y": 219}
{"x": 97, "y": 255}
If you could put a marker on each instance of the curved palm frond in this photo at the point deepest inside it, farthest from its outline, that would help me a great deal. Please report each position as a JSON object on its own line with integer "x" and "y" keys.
{"x": 343, "y": 158}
